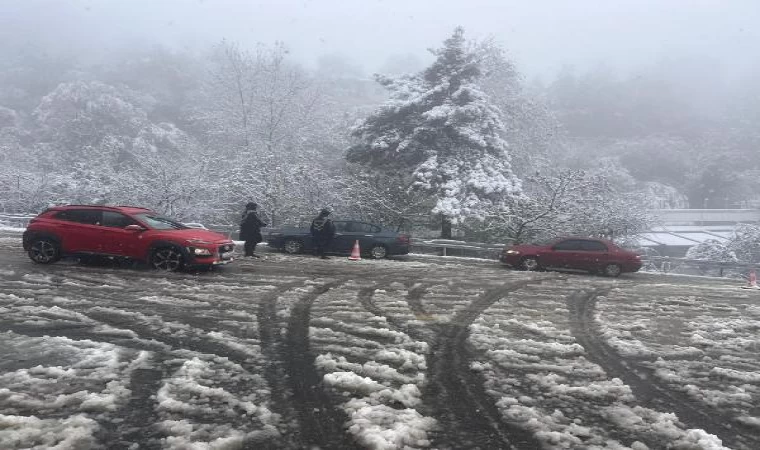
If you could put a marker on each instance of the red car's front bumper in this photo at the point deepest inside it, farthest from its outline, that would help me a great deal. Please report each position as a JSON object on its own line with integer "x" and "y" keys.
{"x": 510, "y": 259}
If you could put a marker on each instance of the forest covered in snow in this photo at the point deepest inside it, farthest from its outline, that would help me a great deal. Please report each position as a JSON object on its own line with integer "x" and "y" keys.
{"x": 462, "y": 138}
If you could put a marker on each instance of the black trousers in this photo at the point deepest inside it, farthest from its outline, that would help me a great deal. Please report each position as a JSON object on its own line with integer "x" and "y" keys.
{"x": 322, "y": 246}
{"x": 250, "y": 247}
{"x": 252, "y": 238}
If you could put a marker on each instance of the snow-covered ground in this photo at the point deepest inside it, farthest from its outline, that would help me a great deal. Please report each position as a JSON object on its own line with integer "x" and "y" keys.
{"x": 11, "y": 229}
{"x": 295, "y": 352}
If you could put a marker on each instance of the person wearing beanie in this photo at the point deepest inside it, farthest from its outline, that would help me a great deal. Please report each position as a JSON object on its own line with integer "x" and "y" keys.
{"x": 250, "y": 229}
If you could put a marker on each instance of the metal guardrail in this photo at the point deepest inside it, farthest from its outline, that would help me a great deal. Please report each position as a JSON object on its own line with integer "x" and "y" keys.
{"x": 705, "y": 216}
{"x": 665, "y": 264}
{"x": 16, "y": 220}
{"x": 446, "y": 247}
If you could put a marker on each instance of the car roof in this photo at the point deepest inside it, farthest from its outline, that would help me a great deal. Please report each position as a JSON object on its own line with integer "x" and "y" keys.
{"x": 585, "y": 238}
{"x": 120, "y": 208}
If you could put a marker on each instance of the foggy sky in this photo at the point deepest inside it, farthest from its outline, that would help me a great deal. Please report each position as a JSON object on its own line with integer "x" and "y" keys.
{"x": 541, "y": 35}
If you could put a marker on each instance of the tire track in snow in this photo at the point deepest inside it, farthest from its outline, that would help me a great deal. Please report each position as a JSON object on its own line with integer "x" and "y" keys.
{"x": 644, "y": 384}
{"x": 414, "y": 299}
{"x": 467, "y": 415}
{"x": 117, "y": 299}
{"x": 365, "y": 297}
{"x": 135, "y": 421}
{"x": 195, "y": 343}
{"x": 140, "y": 414}
{"x": 272, "y": 343}
{"x": 322, "y": 424}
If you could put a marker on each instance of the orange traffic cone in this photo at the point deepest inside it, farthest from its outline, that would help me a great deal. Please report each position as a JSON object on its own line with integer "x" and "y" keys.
{"x": 752, "y": 281}
{"x": 355, "y": 253}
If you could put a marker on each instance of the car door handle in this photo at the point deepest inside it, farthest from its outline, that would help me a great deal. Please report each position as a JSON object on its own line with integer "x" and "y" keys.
{"x": 369, "y": 235}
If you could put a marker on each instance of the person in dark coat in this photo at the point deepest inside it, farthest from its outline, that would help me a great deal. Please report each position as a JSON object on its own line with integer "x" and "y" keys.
{"x": 322, "y": 233}
{"x": 250, "y": 229}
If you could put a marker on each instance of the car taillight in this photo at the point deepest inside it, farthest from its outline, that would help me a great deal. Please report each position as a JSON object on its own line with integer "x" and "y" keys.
{"x": 403, "y": 239}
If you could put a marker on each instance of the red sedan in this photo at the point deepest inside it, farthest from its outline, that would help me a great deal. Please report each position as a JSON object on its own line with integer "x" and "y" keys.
{"x": 592, "y": 255}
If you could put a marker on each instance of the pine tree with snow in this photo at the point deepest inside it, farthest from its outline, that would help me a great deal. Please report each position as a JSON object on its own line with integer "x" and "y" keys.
{"x": 440, "y": 129}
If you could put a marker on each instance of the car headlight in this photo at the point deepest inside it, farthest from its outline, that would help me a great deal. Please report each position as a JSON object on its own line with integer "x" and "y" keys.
{"x": 201, "y": 252}
{"x": 512, "y": 252}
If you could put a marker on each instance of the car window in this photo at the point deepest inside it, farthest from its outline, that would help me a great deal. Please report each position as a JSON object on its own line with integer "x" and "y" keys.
{"x": 160, "y": 223}
{"x": 353, "y": 227}
{"x": 570, "y": 244}
{"x": 116, "y": 220}
{"x": 594, "y": 246}
{"x": 340, "y": 226}
{"x": 361, "y": 227}
{"x": 84, "y": 216}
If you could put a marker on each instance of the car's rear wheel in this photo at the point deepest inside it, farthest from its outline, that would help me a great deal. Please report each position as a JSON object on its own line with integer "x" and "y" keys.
{"x": 44, "y": 251}
{"x": 293, "y": 246}
{"x": 169, "y": 259}
{"x": 378, "y": 252}
{"x": 530, "y": 263}
{"x": 612, "y": 270}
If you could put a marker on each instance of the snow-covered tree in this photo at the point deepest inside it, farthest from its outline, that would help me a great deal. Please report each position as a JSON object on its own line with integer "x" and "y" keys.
{"x": 665, "y": 197}
{"x": 256, "y": 101}
{"x": 382, "y": 197}
{"x": 440, "y": 129}
{"x": 712, "y": 250}
{"x": 529, "y": 125}
{"x": 742, "y": 247}
{"x": 88, "y": 122}
{"x": 262, "y": 116}
{"x": 746, "y": 243}
{"x": 561, "y": 202}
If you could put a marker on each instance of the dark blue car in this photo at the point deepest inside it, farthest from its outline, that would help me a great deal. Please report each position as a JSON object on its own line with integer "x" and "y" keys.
{"x": 373, "y": 240}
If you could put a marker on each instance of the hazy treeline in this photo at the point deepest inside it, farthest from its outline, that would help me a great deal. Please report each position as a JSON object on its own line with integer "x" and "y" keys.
{"x": 197, "y": 134}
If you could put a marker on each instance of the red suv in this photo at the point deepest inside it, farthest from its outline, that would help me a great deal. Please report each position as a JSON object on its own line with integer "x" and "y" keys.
{"x": 123, "y": 231}
{"x": 592, "y": 255}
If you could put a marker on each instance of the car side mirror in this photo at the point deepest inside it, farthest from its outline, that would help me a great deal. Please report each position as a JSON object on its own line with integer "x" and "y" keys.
{"x": 134, "y": 227}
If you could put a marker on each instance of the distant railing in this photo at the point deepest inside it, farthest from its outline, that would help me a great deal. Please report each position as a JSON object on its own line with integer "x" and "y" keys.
{"x": 447, "y": 247}
{"x": 15, "y": 220}
{"x": 705, "y": 216}
{"x": 687, "y": 266}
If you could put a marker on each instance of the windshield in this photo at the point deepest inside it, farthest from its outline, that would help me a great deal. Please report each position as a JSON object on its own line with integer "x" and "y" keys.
{"x": 159, "y": 223}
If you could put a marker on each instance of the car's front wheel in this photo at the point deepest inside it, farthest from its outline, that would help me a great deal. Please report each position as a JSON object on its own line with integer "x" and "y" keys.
{"x": 378, "y": 252}
{"x": 169, "y": 259}
{"x": 44, "y": 251}
{"x": 530, "y": 263}
{"x": 293, "y": 246}
{"x": 612, "y": 270}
